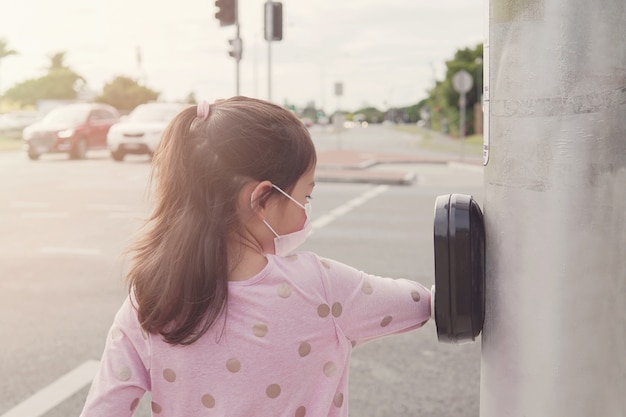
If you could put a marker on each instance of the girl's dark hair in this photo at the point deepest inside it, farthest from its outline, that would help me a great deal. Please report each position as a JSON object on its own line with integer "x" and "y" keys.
{"x": 180, "y": 263}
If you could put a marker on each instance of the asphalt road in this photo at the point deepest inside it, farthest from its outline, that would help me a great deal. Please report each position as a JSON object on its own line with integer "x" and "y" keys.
{"x": 64, "y": 225}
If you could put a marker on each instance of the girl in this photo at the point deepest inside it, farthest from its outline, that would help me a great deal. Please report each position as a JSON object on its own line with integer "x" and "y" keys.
{"x": 220, "y": 319}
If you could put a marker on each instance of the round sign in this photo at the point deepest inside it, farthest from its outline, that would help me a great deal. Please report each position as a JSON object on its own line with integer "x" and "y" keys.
{"x": 462, "y": 81}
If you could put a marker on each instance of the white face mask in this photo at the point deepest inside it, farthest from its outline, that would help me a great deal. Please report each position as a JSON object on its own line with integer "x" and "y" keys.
{"x": 284, "y": 244}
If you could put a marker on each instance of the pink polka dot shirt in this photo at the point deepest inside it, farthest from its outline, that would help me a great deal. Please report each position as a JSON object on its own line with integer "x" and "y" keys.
{"x": 283, "y": 349}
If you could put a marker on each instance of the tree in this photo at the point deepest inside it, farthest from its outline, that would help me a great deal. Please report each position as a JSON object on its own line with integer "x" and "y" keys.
{"x": 191, "y": 98}
{"x": 443, "y": 99}
{"x": 5, "y": 52}
{"x": 125, "y": 93}
{"x": 371, "y": 114}
{"x": 57, "y": 61}
{"x": 59, "y": 83}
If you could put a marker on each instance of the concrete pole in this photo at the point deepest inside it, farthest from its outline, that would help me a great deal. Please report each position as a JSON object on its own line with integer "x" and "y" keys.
{"x": 554, "y": 338}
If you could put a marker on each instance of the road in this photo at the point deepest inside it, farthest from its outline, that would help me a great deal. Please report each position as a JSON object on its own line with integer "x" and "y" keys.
{"x": 64, "y": 225}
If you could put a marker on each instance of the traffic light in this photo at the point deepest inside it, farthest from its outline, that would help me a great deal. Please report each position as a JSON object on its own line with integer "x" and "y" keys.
{"x": 236, "y": 48}
{"x": 227, "y": 12}
{"x": 273, "y": 21}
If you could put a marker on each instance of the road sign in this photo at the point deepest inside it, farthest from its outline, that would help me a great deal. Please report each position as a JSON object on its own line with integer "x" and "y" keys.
{"x": 462, "y": 82}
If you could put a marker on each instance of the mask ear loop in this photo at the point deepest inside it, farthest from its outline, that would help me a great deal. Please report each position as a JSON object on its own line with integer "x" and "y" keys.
{"x": 264, "y": 221}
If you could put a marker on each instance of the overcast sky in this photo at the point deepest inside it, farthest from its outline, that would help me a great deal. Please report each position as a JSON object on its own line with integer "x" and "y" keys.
{"x": 385, "y": 52}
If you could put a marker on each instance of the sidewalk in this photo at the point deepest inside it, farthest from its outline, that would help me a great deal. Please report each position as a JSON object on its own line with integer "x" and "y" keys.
{"x": 355, "y": 166}
{"x": 363, "y": 156}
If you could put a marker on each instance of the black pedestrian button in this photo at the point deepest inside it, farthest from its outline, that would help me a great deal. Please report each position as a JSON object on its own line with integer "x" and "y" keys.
{"x": 459, "y": 233}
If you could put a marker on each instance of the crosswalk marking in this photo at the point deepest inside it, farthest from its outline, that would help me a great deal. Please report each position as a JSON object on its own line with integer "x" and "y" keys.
{"x": 54, "y": 394}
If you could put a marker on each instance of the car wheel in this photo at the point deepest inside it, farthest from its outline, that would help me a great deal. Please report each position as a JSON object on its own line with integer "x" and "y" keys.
{"x": 118, "y": 155}
{"x": 33, "y": 156}
{"x": 80, "y": 150}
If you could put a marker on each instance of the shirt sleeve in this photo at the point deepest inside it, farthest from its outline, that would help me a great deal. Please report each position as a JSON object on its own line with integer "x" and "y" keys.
{"x": 123, "y": 376}
{"x": 367, "y": 307}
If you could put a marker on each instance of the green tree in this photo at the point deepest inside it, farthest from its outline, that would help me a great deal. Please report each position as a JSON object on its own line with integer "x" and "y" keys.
{"x": 191, "y": 98}
{"x": 59, "y": 83}
{"x": 125, "y": 93}
{"x": 5, "y": 52}
{"x": 443, "y": 100}
{"x": 372, "y": 114}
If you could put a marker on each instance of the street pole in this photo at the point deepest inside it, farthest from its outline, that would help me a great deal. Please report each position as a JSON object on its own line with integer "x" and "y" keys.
{"x": 462, "y": 83}
{"x": 269, "y": 25}
{"x": 237, "y": 59}
{"x": 554, "y": 337}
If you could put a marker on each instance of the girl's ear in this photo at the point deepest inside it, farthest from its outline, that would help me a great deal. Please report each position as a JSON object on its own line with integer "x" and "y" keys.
{"x": 259, "y": 197}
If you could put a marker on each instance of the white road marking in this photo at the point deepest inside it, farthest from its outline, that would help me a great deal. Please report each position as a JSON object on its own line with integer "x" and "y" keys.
{"x": 29, "y": 204}
{"x": 46, "y": 215}
{"x": 107, "y": 207}
{"x": 127, "y": 215}
{"x": 54, "y": 394}
{"x": 325, "y": 219}
{"x": 69, "y": 251}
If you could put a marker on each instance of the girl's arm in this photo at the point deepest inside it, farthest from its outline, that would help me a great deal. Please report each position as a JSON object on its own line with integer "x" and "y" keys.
{"x": 367, "y": 307}
{"x": 123, "y": 377}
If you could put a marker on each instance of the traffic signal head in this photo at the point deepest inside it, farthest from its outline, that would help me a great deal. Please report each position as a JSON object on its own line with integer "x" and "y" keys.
{"x": 236, "y": 48}
{"x": 227, "y": 12}
{"x": 273, "y": 21}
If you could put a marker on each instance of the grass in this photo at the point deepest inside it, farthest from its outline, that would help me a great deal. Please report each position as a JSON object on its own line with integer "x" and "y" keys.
{"x": 10, "y": 144}
{"x": 473, "y": 143}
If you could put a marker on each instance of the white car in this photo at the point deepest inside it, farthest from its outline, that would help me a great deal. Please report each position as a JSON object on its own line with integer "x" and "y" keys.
{"x": 139, "y": 133}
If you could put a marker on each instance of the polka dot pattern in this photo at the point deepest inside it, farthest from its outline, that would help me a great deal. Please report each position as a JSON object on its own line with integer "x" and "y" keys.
{"x": 260, "y": 330}
{"x": 134, "y": 404}
{"x": 338, "y": 400}
{"x": 323, "y": 310}
{"x": 304, "y": 349}
{"x": 337, "y": 309}
{"x": 273, "y": 391}
{"x": 169, "y": 375}
{"x": 233, "y": 365}
{"x": 208, "y": 401}
{"x": 284, "y": 290}
{"x": 124, "y": 374}
{"x": 330, "y": 369}
{"x": 385, "y": 322}
{"x": 116, "y": 333}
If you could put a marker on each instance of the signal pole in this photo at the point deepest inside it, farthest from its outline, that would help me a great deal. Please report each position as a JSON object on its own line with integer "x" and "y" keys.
{"x": 228, "y": 14}
{"x": 273, "y": 32}
{"x": 554, "y": 337}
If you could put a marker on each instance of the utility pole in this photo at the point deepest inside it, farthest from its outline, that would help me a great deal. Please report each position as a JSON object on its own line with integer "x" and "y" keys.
{"x": 228, "y": 14}
{"x": 554, "y": 337}
{"x": 273, "y": 12}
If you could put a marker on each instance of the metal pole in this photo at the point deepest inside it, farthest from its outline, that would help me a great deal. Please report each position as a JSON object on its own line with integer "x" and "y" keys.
{"x": 269, "y": 25}
{"x": 237, "y": 59}
{"x": 554, "y": 338}
{"x": 463, "y": 105}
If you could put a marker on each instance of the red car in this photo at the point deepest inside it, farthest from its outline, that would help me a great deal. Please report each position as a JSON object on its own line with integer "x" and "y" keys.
{"x": 73, "y": 129}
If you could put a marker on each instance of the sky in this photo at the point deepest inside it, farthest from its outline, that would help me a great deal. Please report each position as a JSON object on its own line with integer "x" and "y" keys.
{"x": 385, "y": 53}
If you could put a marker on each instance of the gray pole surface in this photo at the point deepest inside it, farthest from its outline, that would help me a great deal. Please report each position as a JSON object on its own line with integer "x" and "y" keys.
{"x": 554, "y": 338}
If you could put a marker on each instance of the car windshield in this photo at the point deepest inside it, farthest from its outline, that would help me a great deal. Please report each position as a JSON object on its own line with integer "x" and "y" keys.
{"x": 147, "y": 113}
{"x": 66, "y": 115}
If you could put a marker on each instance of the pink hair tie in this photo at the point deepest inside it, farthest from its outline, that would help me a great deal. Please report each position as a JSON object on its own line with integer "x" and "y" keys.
{"x": 203, "y": 110}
